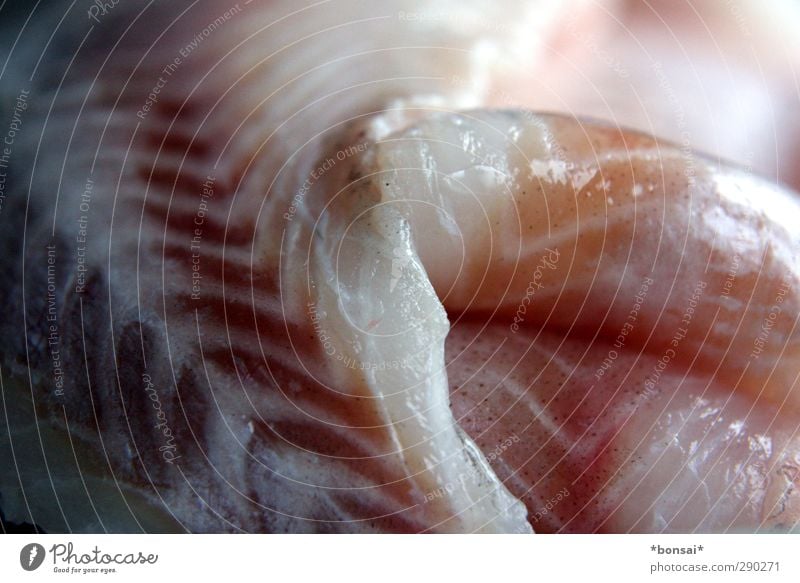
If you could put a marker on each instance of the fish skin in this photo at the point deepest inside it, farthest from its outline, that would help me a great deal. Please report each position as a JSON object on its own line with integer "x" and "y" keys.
{"x": 228, "y": 447}
{"x": 248, "y": 461}
{"x": 590, "y": 197}
{"x": 539, "y": 233}
{"x": 610, "y": 455}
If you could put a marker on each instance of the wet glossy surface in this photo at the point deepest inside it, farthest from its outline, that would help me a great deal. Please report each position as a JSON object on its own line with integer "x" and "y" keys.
{"x": 293, "y": 295}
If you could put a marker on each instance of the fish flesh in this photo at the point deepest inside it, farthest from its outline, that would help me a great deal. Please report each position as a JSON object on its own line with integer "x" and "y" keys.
{"x": 284, "y": 268}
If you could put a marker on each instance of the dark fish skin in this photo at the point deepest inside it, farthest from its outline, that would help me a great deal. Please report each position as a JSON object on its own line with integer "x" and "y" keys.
{"x": 179, "y": 409}
{"x": 163, "y": 364}
{"x": 106, "y": 342}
